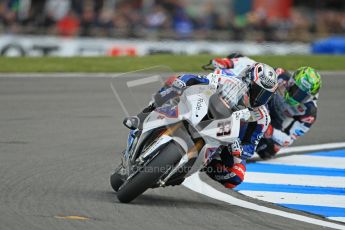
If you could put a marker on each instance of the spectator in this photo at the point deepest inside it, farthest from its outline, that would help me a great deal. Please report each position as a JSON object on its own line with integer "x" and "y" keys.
{"x": 156, "y": 18}
{"x": 183, "y": 25}
{"x": 2, "y": 11}
{"x": 88, "y": 21}
{"x": 69, "y": 25}
{"x": 173, "y": 18}
{"x": 210, "y": 18}
{"x": 57, "y": 9}
{"x": 104, "y": 21}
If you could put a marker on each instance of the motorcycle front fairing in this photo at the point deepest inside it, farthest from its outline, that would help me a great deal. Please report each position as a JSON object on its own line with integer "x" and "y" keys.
{"x": 174, "y": 112}
{"x": 193, "y": 108}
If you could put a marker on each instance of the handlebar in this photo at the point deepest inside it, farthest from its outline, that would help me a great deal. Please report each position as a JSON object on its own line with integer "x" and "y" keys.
{"x": 208, "y": 66}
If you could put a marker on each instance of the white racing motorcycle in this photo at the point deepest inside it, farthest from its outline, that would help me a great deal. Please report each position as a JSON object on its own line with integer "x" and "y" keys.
{"x": 176, "y": 140}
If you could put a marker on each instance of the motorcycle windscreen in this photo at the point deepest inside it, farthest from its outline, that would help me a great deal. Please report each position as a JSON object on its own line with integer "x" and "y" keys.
{"x": 134, "y": 90}
{"x": 220, "y": 123}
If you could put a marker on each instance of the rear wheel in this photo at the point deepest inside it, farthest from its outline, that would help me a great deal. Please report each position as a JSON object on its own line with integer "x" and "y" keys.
{"x": 151, "y": 173}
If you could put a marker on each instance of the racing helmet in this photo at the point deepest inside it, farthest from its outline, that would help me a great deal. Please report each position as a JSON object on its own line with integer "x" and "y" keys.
{"x": 263, "y": 84}
{"x": 304, "y": 85}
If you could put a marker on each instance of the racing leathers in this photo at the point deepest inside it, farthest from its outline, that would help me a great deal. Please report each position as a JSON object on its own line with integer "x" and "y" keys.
{"x": 288, "y": 122}
{"x": 230, "y": 168}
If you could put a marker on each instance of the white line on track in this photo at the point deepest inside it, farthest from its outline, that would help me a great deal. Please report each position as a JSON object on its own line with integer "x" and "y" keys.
{"x": 342, "y": 219}
{"x": 298, "y": 198}
{"x": 119, "y": 100}
{"x": 309, "y": 148}
{"x": 143, "y": 81}
{"x": 195, "y": 184}
{"x": 313, "y": 161}
{"x": 294, "y": 179}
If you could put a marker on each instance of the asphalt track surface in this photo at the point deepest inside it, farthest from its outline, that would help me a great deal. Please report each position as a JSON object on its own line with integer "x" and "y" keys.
{"x": 60, "y": 139}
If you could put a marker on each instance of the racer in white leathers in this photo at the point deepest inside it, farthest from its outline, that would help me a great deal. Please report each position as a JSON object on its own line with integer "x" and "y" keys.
{"x": 293, "y": 109}
{"x": 254, "y": 87}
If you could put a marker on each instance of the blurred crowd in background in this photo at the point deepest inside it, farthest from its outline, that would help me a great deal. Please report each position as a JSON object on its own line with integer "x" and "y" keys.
{"x": 256, "y": 20}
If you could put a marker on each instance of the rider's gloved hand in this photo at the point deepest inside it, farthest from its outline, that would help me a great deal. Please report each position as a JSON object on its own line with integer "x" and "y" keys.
{"x": 169, "y": 81}
{"x": 236, "y": 148}
{"x": 257, "y": 113}
{"x": 222, "y": 63}
{"x": 178, "y": 85}
{"x": 219, "y": 63}
{"x": 267, "y": 148}
{"x": 230, "y": 152}
{"x": 281, "y": 138}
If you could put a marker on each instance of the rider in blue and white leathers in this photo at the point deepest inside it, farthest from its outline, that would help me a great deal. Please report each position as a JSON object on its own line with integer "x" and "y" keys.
{"x": 289, "y": 122}
{"x": 254, "y": 88}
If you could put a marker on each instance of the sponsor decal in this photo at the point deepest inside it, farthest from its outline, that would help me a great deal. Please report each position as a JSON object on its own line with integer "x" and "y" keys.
{"x": 305, "y": 83}
{"x": 308, "y": 119}
{"x": 209, "y": 152}
{"x": 160, "y": 117}
{"x": 300, "y": 109}
{"x": 223, "y": 128}
{"x": 236, "y": 167}
{"x": 199, "y": 106}
{"x": 279, "y": 71}
{"x": 168, "y": 111}
{"x": 228, "y": 72}
{"x": 213, "y": 81}
{"x": 122, "y": 51}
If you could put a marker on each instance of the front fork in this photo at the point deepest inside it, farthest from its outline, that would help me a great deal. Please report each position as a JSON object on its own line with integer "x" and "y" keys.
{"x": 191, "y": 153}
{"x": 132, "y": 136}
{"x": 164, "y": 137}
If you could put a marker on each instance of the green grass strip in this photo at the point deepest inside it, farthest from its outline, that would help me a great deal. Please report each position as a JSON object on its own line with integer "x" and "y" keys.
{"x": 180, "y": 63}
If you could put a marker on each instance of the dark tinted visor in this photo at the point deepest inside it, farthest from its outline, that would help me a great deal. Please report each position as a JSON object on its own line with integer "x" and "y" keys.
{"x": 298, "y": 95}
{"x": 258, "y": 95}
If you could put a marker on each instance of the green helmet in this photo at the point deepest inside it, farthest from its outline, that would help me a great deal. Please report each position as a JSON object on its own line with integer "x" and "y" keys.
{"x": 306, "y": 84}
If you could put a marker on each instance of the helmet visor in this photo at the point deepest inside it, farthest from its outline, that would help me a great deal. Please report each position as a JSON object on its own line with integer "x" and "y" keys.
{"x": 258, "y": 95}
{"x": 295, "y": 94}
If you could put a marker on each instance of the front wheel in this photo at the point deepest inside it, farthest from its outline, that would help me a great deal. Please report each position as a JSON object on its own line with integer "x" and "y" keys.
{"x": 151, "y": 173}
{"x": 116, "y": 180}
